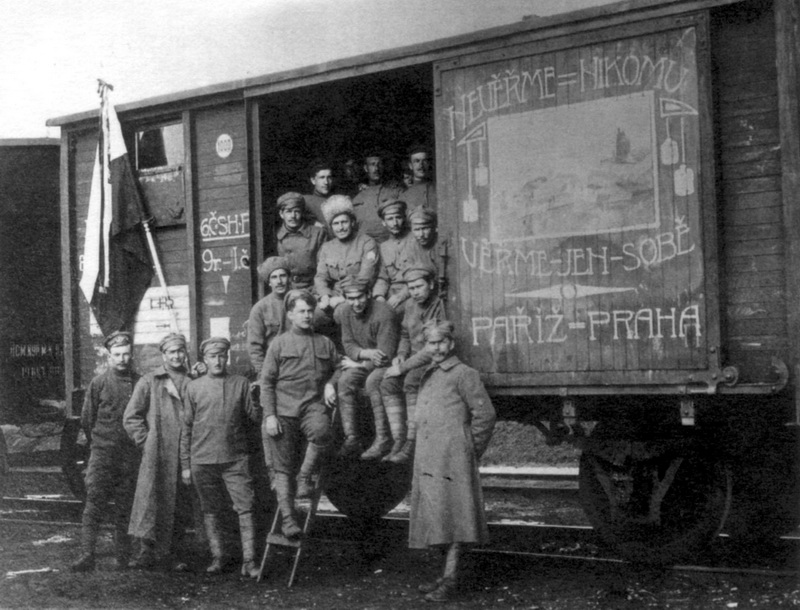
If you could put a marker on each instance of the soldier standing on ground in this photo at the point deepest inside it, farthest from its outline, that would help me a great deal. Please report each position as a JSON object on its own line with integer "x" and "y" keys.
{"x": 162, "y": 507}
{"x": 214, "y": 450}
{"x": 297, "y": 384}
{"x": 114, "y": 459}
{"x": 456, "y": 420}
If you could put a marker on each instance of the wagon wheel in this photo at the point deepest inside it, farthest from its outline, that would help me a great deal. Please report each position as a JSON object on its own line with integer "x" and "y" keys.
{"x": 660, "y": 509}
{"x": 74, "y": 456}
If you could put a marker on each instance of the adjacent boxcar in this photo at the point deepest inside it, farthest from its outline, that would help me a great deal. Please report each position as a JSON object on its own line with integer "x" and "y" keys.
{"x": 618, "y": 221}
{"x": 31, "y": 338}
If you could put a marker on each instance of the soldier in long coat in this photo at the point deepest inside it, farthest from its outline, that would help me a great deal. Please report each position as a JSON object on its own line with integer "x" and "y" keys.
{"x": 162, "y": 508}
{"x": 455, "y": 420}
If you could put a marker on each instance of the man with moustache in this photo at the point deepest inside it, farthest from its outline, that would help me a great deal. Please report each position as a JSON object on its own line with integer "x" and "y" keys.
{"x": 267, "y": 319}
{"x": 390, "y": 286}
{"x": 299, "y": 241}
{"x": 366, "y": 202}
{"x": 422, "y": 191}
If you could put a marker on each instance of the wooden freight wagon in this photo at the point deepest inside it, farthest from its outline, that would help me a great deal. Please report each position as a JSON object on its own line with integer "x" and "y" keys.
{"x": 617, "y": 204}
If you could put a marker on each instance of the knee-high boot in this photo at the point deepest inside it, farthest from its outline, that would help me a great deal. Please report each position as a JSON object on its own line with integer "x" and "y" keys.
{"x": 247, "y": 531}
{"x": 396, "y": 414}
{"x": 214, "y": 543}
{"x": 347, "y": 410}
{"x": 449, "y": 583}
{"x": 305, "y": 480}
{"x": 89, "y": 529}
{"x": 407, "y": 452}
{"x": 286, "y": 505}
{"x": 122, "y": 546}
{"x": 382, "y": 443}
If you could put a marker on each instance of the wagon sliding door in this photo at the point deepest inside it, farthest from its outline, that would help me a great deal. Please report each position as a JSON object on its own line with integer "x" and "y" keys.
{"x": 576, "y": 176}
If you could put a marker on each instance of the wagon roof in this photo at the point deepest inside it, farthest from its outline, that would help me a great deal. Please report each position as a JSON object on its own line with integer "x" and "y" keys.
{"x": 555, "y": 25}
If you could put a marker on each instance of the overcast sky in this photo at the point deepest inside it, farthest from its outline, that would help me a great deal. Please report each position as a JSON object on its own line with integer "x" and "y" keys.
{"x": 52, "y": 51}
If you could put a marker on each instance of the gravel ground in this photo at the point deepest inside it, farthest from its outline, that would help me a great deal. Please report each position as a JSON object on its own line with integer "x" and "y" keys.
{"x": 337, "y": 576}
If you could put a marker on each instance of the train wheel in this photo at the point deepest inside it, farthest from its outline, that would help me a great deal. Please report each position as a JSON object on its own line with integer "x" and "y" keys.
{"x": 74, "y": 457}
{"x": 659, "y": 507}
{"x": 367, "y": 489}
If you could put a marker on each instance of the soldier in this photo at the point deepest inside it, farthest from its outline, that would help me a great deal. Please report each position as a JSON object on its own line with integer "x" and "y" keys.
{"x": 299, "y": 241}
{"x": 114, "y": 459}
{"x": 367, "y": 201}
{"x": 369, "y": 336}
{"x": 321, "y": 176}
{"x": 400, "y": 383}
{"x": 456, "y": 420}
{"x": 297, "y": 383}
{"x": 349, "y": 252}
{"x": 394, "y": 255}
{"x": 422, "y": 192}
{"x": 267, "y": 319}
{"x": 162, "y": 507}
{"x": 214, "y": 455}
{"x": 424, "y": 230}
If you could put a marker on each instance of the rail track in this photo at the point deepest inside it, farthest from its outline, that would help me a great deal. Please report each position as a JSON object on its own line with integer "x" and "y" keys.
{"x": 528, "y": 538}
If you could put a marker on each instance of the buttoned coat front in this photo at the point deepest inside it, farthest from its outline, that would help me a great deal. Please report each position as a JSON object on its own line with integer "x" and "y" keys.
{"x": 455, "y": 420}
{"x": 153, "y": 419}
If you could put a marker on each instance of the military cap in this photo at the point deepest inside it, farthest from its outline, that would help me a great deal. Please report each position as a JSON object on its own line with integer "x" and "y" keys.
{"x": 418, "y": 148}
{"x": 291, "y": 199}
{"x": 172, "y": 340}
{"x": 215, "y": 343}
{"x": 353, "y": 283}
{"x": 384, "y": 206}
{"x": 422, "y": 216}
{"x": 116, "y": 339}
{"x": 336, "y": 205}
{"x": 419, "y": 270}
{"x": 271, "y": 265}
{"x": 438, "y": 330}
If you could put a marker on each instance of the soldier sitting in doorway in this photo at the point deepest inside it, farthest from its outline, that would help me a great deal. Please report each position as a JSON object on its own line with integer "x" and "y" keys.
{"x": 321, "y": 176}
{"x": 378, "y": 190}
{"x": 297, "y": 384}
{"x": 298, "y": 240}
{"x": 369, "y": 337}
{"x": 394, "y": 255}
{"x": 422, "y": 191}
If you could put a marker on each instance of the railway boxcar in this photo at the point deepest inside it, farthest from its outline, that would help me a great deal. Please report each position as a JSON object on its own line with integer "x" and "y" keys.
{"x": 618, "y": 225}
{"x": 31, "y": 340}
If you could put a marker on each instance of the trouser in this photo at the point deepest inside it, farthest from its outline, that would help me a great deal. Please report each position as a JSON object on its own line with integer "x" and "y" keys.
{"x": 212, "y": 480}
{"x": 284, "y": 450}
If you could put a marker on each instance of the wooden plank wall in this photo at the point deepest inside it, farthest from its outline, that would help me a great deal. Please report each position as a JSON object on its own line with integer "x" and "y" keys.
{"x": 224, "y": 291}
{"x": 749, "y": 170}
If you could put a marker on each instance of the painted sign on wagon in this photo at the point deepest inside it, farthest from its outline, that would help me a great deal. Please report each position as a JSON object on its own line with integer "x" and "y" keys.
{"x": 573, "y": 174}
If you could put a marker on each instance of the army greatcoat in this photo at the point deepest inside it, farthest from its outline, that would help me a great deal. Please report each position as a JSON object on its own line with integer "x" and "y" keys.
{"x": 300, "y": 248}
{"x": 358, "y": 255}
{"x": 455, "y": 420}
{"x": 153, "y": 419}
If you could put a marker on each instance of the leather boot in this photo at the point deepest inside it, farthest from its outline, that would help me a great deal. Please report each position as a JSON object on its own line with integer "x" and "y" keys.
{"x": 305, "y": 480}
{"x": 145, "y": 558}
{"x": 248, "y": 533}
{"x": 286, "y": 505}
{"x": 396, "y": 414}
{"x": 86, "y": 562}
{"x": 214, "y": 543}
{"x": 347, "y": 410}
{"x": 449, "y": 581}
{"x": 122, "y": 547}
{"x": 382, "y": 443}
{"x": 407, "y": 452}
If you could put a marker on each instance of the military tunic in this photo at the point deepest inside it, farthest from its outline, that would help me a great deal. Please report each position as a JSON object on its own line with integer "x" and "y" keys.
{"x": 425, "y": 255}
{"x": 296, "y": 368}
{"x": 267, "y": 320}
{"x": 421, "y": 194}
{"x": 217, "y": 411}
{"x": 358, "y": 255}
{"x": 300, "y": 248}
{"x": 455, "y": 420}
{"x": 366, "y": 204}
{"x": 153, "y": 419}
{"x": 394, "y": 260}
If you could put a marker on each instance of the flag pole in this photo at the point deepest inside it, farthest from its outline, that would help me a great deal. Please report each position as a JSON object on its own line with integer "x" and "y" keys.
{"x": 173, "y": 322}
